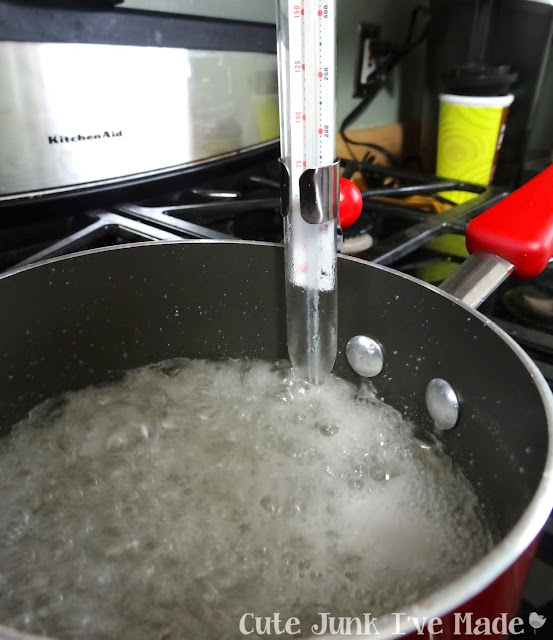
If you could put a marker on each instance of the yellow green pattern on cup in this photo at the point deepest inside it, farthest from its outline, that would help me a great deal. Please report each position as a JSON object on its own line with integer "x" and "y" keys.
{"x": 467, "y": 144}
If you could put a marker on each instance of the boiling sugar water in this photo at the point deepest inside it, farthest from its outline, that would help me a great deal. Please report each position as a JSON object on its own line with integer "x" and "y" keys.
{"x": 170, "y": 503}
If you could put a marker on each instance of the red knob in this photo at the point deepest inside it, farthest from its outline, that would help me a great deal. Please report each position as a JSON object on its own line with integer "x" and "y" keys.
{"x": 351, "y": 203}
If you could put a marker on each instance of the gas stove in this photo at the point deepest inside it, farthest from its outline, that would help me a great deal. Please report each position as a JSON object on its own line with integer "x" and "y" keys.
{"x": 240, "y": 200}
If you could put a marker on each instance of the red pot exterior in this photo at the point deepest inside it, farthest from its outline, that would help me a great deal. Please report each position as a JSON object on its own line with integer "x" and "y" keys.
{"x": 502, "y": 596}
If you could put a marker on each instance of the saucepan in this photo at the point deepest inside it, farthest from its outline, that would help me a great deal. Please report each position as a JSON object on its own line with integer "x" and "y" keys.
{"x": 72, "y": 322}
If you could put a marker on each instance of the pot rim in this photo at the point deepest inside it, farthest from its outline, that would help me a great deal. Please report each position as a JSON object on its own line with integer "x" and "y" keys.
{"x": 472, "y": 582}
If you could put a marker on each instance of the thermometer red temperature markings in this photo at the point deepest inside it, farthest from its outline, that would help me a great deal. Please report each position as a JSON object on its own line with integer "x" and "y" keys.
{"x": 306, "y": 35}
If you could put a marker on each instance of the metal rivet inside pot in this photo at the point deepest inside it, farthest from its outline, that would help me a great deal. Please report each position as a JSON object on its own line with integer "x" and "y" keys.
{"x": 365, "y": 356}
{"x": 442, "y": 403}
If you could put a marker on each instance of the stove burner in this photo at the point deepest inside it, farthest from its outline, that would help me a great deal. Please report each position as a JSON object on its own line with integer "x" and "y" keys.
{"x": 530, "y": 303}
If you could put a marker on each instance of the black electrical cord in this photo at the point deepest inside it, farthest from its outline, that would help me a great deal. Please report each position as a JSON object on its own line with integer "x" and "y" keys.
{"x": 380, "y": 76}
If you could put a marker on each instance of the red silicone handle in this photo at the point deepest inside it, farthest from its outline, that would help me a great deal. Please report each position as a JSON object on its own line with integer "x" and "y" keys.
{"x": 351, "y": 203}
{"x": 519, "y": 228}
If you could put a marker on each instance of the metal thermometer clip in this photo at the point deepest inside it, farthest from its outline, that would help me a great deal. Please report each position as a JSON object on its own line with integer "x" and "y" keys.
{"x": 319, "y": 193}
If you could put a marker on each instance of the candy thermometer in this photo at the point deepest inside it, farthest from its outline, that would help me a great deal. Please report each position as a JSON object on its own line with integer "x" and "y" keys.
{"x": 306, "y": 34}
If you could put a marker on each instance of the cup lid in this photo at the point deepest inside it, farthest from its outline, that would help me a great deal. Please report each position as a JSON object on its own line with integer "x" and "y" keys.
{"x": 479, "y": 80}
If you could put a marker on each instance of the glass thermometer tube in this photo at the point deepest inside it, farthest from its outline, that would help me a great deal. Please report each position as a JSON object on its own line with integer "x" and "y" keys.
{"x": 306, "y": 34}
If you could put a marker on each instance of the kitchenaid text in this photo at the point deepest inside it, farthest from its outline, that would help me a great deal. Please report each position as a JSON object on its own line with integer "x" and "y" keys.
{"x": 79, "y": 137}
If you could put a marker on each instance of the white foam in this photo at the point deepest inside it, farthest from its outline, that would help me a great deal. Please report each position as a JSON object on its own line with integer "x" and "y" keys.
{"x": 171, "y": 503}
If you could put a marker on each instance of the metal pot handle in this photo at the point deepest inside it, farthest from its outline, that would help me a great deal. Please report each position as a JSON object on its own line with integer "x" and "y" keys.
{"x": 513, "y": 236}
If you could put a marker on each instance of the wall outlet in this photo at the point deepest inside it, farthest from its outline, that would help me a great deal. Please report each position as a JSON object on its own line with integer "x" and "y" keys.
{"x": 366, "y": 62}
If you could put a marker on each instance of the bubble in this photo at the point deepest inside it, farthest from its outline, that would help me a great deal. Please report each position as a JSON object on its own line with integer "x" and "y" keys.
{"x": 271, "y": 505}
{"x": 329, "y": 430}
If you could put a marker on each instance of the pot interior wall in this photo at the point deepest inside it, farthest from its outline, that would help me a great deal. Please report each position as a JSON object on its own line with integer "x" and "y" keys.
{"x": 83, "y": 320}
